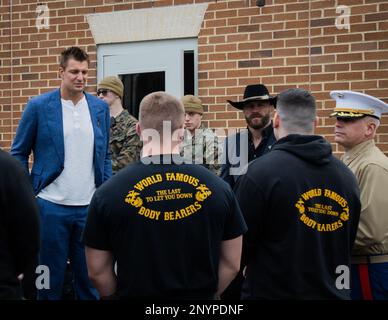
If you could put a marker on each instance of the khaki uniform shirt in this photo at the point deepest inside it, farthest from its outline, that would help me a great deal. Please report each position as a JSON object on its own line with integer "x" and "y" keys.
{"x": 370, "y": 166}
{"x": 203, "y": 148}
{"x": 125, "y": 144}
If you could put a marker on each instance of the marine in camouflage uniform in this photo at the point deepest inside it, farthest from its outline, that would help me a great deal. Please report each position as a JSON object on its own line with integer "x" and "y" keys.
{"x": 124, "y": 142}
{"x": 202, "y": 148}
{"x": 200, "y": 145}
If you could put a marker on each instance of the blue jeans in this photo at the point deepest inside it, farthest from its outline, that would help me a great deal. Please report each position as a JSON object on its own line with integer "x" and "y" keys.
{"x": 61, "y": 235}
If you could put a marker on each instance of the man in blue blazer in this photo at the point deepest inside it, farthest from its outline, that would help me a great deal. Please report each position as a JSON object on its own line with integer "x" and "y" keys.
{"x": 67, "y": 130}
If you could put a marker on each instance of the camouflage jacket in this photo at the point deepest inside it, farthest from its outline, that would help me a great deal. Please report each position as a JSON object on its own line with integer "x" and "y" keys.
{"x": 203, "y": 148}
{"x": 125, "y": 144}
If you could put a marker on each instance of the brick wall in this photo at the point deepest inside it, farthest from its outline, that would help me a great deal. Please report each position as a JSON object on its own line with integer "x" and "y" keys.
{"x": 288, "y": 43}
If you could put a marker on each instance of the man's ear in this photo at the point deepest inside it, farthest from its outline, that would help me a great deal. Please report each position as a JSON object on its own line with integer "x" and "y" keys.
{"x": 182, "y": 132}
{"x": 276, "y": 120}
{"x": 178, "y": 135}
{"x": 138, "y": 130}
{"x": 370, "y": 129}
{"x": 60, "y": 72}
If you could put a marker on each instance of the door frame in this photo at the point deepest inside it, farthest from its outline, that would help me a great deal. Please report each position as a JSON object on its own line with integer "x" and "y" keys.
{"x": 106, "y": 51}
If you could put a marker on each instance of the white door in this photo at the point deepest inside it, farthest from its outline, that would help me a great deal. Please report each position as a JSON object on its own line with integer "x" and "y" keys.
{"x": 153, "y": 65}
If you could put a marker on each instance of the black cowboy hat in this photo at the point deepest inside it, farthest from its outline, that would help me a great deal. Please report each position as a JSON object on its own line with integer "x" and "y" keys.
{"x": 254, "y": 92}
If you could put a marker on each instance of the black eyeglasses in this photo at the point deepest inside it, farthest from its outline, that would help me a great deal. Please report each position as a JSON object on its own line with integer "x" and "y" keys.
{"x": 104, "y": 92}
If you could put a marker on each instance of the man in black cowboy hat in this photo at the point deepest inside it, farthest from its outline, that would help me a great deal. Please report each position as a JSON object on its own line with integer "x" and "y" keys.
{"x": 256, "y": 140}
{"x": 247, "y": 145}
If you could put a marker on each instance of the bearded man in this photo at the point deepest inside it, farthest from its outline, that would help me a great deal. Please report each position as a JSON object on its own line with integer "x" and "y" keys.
{"x": 247, "y": 145}
{"x": 251, "y": 143}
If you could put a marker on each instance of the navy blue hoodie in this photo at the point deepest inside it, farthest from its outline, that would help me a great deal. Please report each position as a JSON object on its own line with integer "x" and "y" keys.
{"x": 301, "y": 205}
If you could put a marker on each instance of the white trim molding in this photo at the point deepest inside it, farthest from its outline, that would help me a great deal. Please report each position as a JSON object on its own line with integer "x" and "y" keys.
{"x": 174, "y": 22}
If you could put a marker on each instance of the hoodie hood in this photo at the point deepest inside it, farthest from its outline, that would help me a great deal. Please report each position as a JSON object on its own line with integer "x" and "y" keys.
{"x": 313, "y": 149}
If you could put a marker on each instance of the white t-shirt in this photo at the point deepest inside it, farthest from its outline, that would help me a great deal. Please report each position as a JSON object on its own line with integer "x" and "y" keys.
{"x": 75, "y": 185}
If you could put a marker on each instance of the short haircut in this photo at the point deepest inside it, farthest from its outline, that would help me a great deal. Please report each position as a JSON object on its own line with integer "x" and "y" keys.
{"x": 370, "y": 119}
{"x": 158, "y": 107}
{"x": 297, "y": 110}
{"x": 75, "y": 53}
{"x": 373, "y": 120}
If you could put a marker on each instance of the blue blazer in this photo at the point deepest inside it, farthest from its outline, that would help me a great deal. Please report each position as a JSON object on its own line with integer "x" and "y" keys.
{"x": 41, "y": 131}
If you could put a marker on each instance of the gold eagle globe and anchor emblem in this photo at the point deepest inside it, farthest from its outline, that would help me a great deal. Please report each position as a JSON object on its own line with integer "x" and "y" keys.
{"x": 344, "y": 216}
{"x": 202, "y": 193}
{"x": 300, "y": 206}
{"x": 134, "y": 199}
